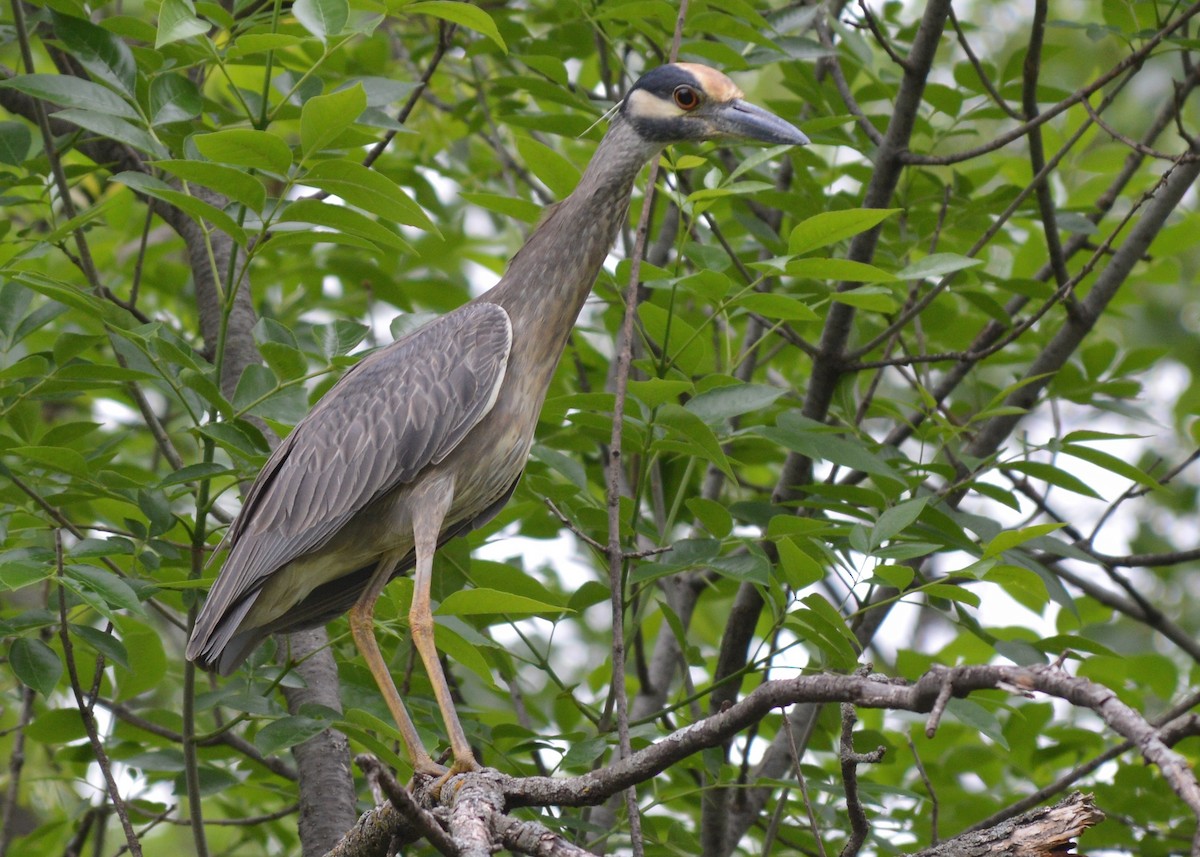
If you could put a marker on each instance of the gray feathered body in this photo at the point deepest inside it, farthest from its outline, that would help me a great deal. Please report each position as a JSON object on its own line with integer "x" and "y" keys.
{"x": 459, "y": 396}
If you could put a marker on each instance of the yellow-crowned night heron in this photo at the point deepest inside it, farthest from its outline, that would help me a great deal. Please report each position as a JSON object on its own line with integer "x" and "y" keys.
{"x": 425, "y": 439}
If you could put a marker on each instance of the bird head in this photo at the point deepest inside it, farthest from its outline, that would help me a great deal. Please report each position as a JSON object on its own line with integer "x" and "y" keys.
{"x": 687, "y": 101}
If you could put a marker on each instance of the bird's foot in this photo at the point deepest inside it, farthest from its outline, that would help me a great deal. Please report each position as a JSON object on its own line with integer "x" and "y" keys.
{"x": 461, "y": 765}
{"x": 428, "y": 768}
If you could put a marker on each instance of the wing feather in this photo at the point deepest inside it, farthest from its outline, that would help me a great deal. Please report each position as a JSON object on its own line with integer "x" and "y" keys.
{"x": 396, "y": 412}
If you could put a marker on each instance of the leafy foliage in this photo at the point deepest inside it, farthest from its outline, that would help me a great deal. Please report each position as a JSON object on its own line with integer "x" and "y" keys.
{"x": 892, "y": 400}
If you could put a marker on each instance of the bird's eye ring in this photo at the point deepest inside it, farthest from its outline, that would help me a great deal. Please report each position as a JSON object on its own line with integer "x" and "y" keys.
{"x": 686, "y": 97}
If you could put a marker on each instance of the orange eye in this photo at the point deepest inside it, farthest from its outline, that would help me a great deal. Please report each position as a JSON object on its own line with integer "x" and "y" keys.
{"x": 686, "y": 98}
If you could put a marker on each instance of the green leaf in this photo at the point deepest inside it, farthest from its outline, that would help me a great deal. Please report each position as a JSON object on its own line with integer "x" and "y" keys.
{"x": 746, "y": 567}
{"x": 1112, "y": 463}
{"x": 484, "y": 601}
{"x": 197, "y": 209}
{"x": 15, "y": 140}
{"x": 35, "y": 664}
{"x": 1054, "y": 476}
{"x": 722, "y": 403}
{"x": 820, "y": 623}
{"x": 842, "y": 270}
{"x": 555, "y": 171}
{"x": 235, "y": 436}
{"x": 338, "y": 338}
{"x": 203, "y": 382}
{"x": 872, "y": 298}
{"x": 937, "y": 265}
{"x": 255, "y": 43}
{"x": 113, "y": 128}
{"x": 815, "y": 440}
{"x": 343, "y": 219}
{"x": 177, "y": 21}
{"x": 369, "y": 190}
{"x": 975, "y": 716}
{"x": 898, "y": 576}
{"x": 689, "y": 434}
{"x": 236, "y": 184}
{"x": 256, "y": 383}
{"x": 246, "y": 147}
{"x": 54, "y": 458}
{"x": 463, "y": 653}
{"x": 734, "y": 189}
{"x": 584, "y": 753}
{"x": 193, "y": 473}
{"x": 895, "y": 520}
{"x": 829, "y": 227}
{"x": 287, "y": 732}
{"x": 506, "y": 578}
{"x": 799, "y": 568}
{"x": 102, "y": 53}
{"x": 678, "y": 339}
{"x": 324, "y": 117}
{"x": 775, "y": 306}
{"x": 67, "y": 91}
{"x": 952, "y": 592}
{"x": 16, "y": 574}
{"x": 713, "y": 515}
{"x": 1011, "y": 538}
{"x": 509, "y": 206}
{"x": 150, "y": 658}
{"x": 322, "y": 18}
{"x": 117, "y": 594}
{"x": 173, "y": 98}
{"x": 105, "y": 644}
{"x": 157, "y": 509}
{"x": 279, "y": 348}
{"x": 57, "y": 726}
{"x": 658, "y": 391}
{"x": 466, "y": 14}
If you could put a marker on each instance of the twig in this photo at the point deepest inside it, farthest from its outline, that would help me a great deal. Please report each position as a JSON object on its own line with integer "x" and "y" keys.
{"x": 16, "y": 762}
{"x": 850, "y": 760}
{"x": 445, "y": 34}
{"x": 616, "y": 571}
{"x": 1140, "y": 148}
{"x": 800, "y": 780}
{"x": 1037, "y": 151}
{"x": 404, "y": 802}
{"x": 272, "y": 763}
{"x": 933, "y": 798}
{"x": 834, "y": 67}
{"x": 600, "y": 548}
{"x": 85, "y": 711}
{"x": 978, "y": 66}
{"x": 880, "y": 37}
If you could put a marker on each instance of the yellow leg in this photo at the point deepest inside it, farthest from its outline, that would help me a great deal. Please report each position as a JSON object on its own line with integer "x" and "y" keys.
{"x": 362, "y": 627}
{"x": 429, "y": 510}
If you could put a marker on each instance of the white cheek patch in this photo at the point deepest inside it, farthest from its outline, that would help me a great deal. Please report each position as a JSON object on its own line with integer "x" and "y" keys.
{"x": 644, "y": 105}
{"x": 716, "y": 86}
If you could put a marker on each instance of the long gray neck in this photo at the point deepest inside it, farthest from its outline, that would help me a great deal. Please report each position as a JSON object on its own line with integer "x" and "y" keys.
{"x": 549, "y": 279}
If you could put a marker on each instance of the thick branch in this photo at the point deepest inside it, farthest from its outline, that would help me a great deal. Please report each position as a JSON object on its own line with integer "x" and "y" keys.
{"x": 1043, "y": 832}
{"x": 862, "y": 691}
